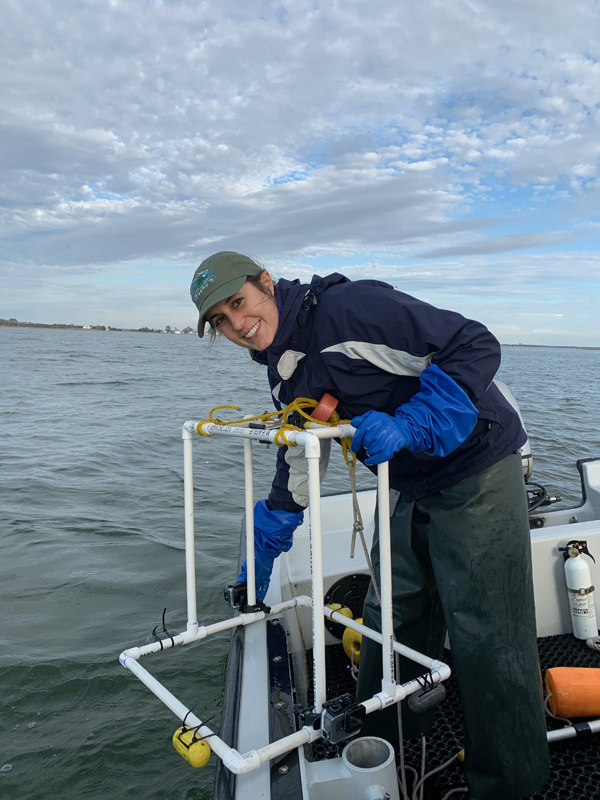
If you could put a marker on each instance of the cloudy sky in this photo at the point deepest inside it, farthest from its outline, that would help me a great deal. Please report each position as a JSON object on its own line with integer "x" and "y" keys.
{"x": 450, "y": 147}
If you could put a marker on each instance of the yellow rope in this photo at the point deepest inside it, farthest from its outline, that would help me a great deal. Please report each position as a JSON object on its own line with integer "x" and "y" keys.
{"x": 300, "y": 404}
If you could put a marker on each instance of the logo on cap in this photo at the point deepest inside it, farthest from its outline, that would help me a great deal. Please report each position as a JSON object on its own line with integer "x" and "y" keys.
{"x": 201, "y": 282}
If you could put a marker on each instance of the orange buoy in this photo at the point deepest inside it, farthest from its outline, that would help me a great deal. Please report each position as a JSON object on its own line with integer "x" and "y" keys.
{"x": 325, "y": 408}
{"x": 575, "y": 691}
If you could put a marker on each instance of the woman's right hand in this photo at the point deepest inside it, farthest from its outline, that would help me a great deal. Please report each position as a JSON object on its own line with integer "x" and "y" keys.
{"x": 273, "y": 534}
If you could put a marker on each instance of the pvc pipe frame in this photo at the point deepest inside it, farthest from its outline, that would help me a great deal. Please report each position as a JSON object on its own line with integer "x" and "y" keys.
{"x": 240, "y": 763}
{"x": 391, "y": 693}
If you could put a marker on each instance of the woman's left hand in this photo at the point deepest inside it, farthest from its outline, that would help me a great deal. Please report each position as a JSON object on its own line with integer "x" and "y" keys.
{"x": 380, "y": 434}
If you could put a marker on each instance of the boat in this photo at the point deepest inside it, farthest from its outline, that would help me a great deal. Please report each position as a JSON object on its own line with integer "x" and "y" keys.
{"x": 290, "y": 726}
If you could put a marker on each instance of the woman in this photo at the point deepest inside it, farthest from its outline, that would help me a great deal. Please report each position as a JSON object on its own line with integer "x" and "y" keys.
{"x": 417, "y": 383}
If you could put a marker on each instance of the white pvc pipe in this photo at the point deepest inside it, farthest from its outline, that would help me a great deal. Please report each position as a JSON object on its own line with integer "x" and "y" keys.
{"x": 402, "y": 649}
{"x": 384, "y": 699}
{"x": 268, "y": 435}
{"x": 329, "y": 432}
{"x": 385, "y": 578}
{"x": 190, "y": 564}
{"x": 236, "y": 762}
{"x": 249, "y": 496}
{"x": 217, "y": 745}
{"x": 187, "y": 637}
{"x": 571, "y": 732}
{"x": 312, "y": 449}
{"x": 290, "y": 742}
{"x": 233, "y": 760}
{"x": 241, "y": 763}
{"x": 302, "y": 601}
{"x": 247, "y": 619}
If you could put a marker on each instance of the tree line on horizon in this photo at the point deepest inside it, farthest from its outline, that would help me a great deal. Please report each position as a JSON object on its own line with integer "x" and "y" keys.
{"x": 14, "y": 323}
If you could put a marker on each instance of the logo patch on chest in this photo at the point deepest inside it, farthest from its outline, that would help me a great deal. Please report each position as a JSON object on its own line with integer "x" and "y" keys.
{"x": 286, "y": 366}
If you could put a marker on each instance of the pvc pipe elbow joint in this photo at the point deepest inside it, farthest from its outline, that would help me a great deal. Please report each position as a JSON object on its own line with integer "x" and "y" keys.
{"x": 188, "y": 429}
{"x": 442, "y": 669}
{"x": 386, "y": 699}
{"x": 240, "y": 764}
{"x": 312, "y": 445}
{"x": 133, "y": 653}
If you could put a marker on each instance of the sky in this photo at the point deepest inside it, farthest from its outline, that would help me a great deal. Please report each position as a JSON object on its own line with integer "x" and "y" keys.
{"x": 449, "y": 147}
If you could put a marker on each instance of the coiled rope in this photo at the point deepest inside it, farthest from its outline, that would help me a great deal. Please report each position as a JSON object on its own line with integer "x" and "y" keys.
{"x": 594, "y": 643}
{"x": 280, "y": 418}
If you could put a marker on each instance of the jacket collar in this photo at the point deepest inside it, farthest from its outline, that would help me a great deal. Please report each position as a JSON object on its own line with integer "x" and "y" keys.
{"x": 297, "y": 302}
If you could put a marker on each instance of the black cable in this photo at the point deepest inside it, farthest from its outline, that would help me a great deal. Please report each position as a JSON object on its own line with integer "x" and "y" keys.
{"x": 189, "y": 712}
{"x": 539, "y": 496}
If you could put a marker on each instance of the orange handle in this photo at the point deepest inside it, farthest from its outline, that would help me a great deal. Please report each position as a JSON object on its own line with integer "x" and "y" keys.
{"x": 325, "y": 408}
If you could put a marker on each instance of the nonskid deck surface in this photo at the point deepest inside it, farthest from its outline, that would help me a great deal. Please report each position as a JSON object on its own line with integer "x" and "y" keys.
{"x": 574, "y": 763}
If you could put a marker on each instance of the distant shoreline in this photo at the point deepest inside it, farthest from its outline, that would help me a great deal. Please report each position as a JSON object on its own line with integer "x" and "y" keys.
{"x": 12, "y": 323}
{"x": 553, "y": 346}
{"x": 37, "y": 325}
{"x": 97, "y": 328}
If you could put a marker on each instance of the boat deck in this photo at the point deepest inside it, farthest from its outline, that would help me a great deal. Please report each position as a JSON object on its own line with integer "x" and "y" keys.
{"x": 575, "y": 763}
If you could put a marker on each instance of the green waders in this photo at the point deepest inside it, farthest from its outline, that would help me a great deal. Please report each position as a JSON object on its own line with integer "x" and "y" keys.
{"x": 461, "y": 558}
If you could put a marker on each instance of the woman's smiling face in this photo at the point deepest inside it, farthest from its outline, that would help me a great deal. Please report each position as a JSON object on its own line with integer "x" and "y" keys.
{"x": 249, "y": 318}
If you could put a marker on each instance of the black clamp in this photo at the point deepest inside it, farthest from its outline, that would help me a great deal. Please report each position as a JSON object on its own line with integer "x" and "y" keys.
{"x": 342, "y": 718}
{"x": 295, "y": 418}
{"x": 576, "y": 544}
{"x": 162, "y": 635}
{"x": 237, "y": 596}
{"x": 195, "y": 738}
{"x": 307, "y": 717}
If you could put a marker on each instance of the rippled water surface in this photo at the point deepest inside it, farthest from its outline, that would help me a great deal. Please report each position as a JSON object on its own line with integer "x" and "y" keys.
{"x": 91, "y": 531}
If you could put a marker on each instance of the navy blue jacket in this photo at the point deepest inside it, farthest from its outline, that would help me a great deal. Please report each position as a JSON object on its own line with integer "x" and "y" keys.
{"x": 366, "y": 344}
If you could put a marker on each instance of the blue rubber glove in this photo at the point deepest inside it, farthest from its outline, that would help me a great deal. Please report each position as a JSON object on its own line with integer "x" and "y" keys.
{"x": 435, "y": 421}
{"x": 273, "y": 534}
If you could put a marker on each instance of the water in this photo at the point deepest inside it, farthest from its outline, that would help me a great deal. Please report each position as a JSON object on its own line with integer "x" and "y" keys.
{"x": 91, "y": 523}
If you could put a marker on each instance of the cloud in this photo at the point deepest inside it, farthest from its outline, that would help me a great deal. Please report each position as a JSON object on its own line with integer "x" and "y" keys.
{"x": 535, "y": 314}
{"x": 503, "y": 244}
{"x": 148, "y": 131}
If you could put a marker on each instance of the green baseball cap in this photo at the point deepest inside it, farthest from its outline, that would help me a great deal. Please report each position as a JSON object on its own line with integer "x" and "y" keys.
{"x": 218, "y": 277}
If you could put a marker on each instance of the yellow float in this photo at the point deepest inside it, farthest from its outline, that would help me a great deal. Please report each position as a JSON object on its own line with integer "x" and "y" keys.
{"x": 351, "y": 641}
{"x": 195, "y": 751}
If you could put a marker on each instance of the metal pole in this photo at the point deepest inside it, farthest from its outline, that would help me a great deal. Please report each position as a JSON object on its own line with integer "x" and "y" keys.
{"x": 190, "y": 564}
{"x": 249, "y": 484}
{"x": 388, "y": 684}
